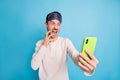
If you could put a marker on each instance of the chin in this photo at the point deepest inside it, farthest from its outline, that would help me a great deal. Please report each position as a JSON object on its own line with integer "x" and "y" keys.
{"x": 55, "y": 36}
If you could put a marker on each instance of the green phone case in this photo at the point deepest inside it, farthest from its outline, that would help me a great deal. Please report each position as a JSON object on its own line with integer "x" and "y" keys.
{"x": 90, "y": 44}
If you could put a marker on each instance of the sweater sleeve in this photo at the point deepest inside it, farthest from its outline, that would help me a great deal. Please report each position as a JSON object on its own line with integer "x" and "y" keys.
{"x": 72, "y": 51}
{"x": 38, "y": 55}
{"x": 74, "y": 54}
{"x": 89, "y": 74}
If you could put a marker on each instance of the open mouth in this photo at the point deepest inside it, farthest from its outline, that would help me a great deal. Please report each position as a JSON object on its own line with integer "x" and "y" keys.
{"x": 54, "y": 31}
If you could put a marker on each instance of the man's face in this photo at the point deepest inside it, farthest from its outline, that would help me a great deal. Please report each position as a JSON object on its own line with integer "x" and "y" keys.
{"x": 54, "y": 27}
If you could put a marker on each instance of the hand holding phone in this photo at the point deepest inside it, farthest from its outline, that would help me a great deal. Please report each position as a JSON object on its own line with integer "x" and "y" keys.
{"x": 86, "y": 60}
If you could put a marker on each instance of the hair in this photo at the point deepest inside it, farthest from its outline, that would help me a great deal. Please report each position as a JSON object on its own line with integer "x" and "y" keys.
{"x": 54, "y": 15}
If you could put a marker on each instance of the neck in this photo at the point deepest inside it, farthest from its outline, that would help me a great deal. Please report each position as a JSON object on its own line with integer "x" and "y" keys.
{"x": 55, "y": 38}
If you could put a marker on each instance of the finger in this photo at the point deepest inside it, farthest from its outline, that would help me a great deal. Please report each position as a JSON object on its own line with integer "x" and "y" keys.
{"x": 50, "y": 36}
{"x": 49, "y": 32}
{"x": 91, "y": 56}
{"x": 92, "y": 63}
{"x": 86, "y": 64}
{"x": 85, "y": 58}
{"x": 83, "y": 67}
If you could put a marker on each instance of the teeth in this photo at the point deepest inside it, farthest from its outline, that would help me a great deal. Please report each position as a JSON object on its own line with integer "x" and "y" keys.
{"x": 54, "y": 30}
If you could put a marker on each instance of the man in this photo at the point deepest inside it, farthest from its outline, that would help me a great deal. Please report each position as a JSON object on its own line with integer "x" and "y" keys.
{"x": 51, "y": 53}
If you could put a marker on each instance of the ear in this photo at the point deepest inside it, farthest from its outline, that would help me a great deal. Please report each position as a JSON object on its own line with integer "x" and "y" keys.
{"x": 46, "y": 25}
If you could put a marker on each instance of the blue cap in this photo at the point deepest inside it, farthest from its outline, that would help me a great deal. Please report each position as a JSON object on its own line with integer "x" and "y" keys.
{"x": 54, "y": 15}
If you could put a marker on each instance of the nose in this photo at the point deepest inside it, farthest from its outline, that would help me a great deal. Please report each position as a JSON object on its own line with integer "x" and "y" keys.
{"x": 55, "y": 26}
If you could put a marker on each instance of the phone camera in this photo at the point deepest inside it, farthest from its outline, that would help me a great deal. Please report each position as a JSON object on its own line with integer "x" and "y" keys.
{"x": 86, "y": 41}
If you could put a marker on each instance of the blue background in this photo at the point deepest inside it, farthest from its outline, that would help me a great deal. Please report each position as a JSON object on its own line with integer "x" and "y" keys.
{"x": 22, "y": 25}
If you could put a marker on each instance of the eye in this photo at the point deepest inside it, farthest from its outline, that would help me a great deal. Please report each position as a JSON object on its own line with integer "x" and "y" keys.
{"x": 52, "y": 23}
{"x": 58, "y": 24}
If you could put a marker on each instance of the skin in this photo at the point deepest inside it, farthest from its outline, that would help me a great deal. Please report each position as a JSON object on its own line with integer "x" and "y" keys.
{"x": 88, "y": 64}
{"x": 84, "y": 62}
{"x": 53, "y": 28}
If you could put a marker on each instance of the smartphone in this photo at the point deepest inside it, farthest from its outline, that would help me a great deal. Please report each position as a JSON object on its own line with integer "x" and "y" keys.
{"x": 90, "y": 44}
